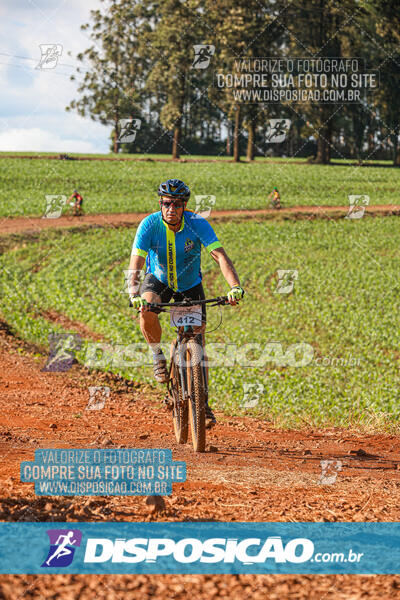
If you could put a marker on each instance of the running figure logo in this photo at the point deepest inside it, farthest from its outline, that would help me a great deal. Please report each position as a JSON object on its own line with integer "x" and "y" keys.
{"x": 128, "y": 287}
{"x": 50, "y": 55}
{"x": 203, "y": 54}
{"x": 277, "y": 130}
{"x": 63, "y": 543}
{"x": 204, "y": 203}
{"x": 357, "y": 204}
{"x": 329, "y": 471}
{"x": 252, "y": 393}
{"x": 98, "y": 396}
{"x": 63, "y": 347}
{"x": 286, "y": 280}
{"x": 128, "y": 130}
{"x": 54, "y": 206}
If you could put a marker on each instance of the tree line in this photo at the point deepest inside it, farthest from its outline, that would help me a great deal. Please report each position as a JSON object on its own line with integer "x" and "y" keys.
{"x": 140, "y": 65}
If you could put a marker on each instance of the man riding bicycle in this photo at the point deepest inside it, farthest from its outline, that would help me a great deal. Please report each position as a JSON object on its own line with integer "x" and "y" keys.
{"x": 275, "y": 198}
{"x": 76, "y": 201}
{"x": 169, "y": 241}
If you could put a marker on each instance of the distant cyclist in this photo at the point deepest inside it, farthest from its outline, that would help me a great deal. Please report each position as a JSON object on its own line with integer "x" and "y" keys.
{"x": 75, "y": 200}
{"x": 170, "y": 242}
{"x": 275, "y": 198}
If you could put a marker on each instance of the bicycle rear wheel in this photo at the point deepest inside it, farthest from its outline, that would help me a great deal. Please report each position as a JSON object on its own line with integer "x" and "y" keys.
{"x": 180, "y": 414}
{"x": 197, "y": 395}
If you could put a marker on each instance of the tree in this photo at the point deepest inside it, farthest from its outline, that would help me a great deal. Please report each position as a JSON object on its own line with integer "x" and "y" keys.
{"x": 112, "y": 83}
{"x": 228, "y": 23}
{"x": 319, "y": 29}
{"x": 244, "y": 29}
{"x": 168, "y": 42}
{"x": 386, "y": 23}
{"x": 264, "y": 37}
{"x": 140, "y": 65}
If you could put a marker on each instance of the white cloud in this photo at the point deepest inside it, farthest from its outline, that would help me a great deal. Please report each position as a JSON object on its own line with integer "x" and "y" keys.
{"x": 40, "y": 140}
{"x": 32, "y": 103}
{"x": 55, "y": 128}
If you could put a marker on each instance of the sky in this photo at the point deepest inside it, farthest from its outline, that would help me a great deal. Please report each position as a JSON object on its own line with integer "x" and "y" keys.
{"x": 33, "y": 100}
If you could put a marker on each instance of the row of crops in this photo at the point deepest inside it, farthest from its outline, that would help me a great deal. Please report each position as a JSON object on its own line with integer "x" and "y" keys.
{"x": 109, "y": 187}
{"x": 326, "y": 352}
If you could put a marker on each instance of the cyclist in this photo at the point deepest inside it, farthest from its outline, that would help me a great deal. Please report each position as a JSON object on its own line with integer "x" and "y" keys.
{"x": 170, "y": 242}
{"x": 275, "y": 198}
{"x": 76, "y": 201}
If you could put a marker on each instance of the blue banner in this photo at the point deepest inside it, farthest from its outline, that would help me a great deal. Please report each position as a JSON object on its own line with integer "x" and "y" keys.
{"x": 200, "y": 548}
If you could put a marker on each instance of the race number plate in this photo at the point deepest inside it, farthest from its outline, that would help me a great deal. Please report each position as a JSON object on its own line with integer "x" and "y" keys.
{"x": 186, "y": 315}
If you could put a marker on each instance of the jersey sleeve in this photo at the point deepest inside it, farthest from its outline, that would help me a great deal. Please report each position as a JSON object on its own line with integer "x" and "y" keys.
{"x": 142, "y": 241}
{"x": 206, "y": 233}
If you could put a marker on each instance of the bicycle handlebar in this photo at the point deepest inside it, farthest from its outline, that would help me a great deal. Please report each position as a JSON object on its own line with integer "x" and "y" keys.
{"x": 220, "y": 300}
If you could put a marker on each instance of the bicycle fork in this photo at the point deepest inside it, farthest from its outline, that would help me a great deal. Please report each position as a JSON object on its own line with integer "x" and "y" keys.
{"x": 180, "y": 355}
{"x": 199, "y": 341}
{"x": 182, "y": 371}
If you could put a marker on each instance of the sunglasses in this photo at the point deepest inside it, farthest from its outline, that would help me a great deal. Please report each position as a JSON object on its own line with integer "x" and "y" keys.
{"x": 168, "y": 203}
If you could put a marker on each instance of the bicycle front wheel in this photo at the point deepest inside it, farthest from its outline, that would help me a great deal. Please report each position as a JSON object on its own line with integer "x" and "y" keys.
{"x": 181, "y": 419}
{"x": 197, "y": 395}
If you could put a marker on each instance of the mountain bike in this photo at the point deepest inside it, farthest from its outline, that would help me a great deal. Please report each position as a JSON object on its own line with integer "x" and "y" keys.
{"x": 275, "y": 202}
{"x": 188, "y": 381}
{"x": 73, "y": 210}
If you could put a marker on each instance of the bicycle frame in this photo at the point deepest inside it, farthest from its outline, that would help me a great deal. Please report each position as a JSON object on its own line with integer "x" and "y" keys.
{"x": 184, "y": 333}
{"x": 188, "y": 381}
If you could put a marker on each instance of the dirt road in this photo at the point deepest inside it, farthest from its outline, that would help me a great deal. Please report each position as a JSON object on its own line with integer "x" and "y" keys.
{"x": 250, "y": 472}
{"x": 10, "y": 225}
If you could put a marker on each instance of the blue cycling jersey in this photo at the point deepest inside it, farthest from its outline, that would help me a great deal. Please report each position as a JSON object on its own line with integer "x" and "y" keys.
{"x": 174, "y": 258}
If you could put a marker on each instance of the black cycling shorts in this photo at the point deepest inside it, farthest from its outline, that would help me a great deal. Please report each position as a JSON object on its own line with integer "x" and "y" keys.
{"x": 152, "y": 284}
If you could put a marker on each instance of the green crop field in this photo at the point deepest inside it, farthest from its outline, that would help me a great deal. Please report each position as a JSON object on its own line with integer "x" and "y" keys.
{"x": 340, "y": 325}
{"x": 118, "y": 186}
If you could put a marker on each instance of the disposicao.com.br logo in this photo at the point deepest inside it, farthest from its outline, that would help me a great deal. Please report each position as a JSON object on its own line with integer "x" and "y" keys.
{"x": 189, "y": 554}
{"x": 191, "y": 550}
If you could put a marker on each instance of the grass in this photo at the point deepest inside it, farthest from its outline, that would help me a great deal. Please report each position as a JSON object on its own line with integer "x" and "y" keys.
{"x": 110, "y": 187}
{"x": 210, "y": 157}
{"x": 344, "y": 306}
